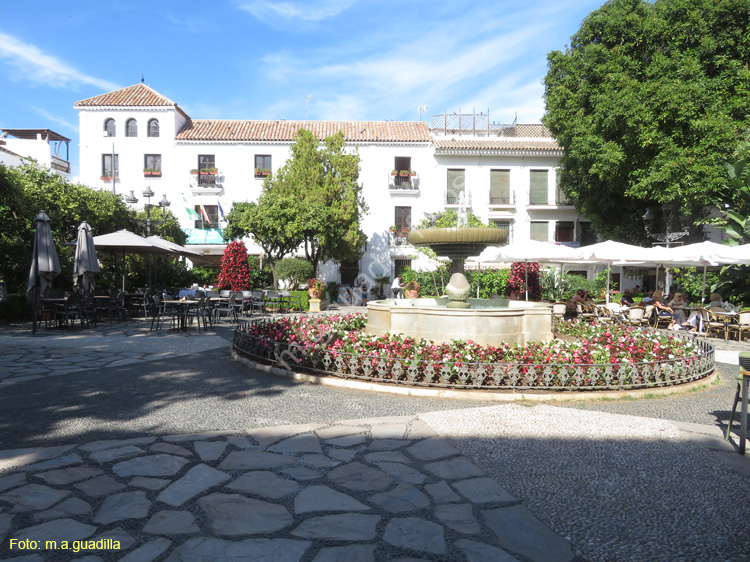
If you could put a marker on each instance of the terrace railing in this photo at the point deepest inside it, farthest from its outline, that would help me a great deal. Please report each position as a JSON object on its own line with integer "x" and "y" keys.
{"x": 475, "y": 375}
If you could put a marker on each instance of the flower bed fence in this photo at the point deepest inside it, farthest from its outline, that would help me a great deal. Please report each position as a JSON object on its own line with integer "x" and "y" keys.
{"x": 318, "y": 357}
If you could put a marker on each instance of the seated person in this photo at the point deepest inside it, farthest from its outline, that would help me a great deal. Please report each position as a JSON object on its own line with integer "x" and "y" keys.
{"x": 626, "y": 299}
{"x": 664, "y": 310}
{"x": 677, "y": 304}
{"x": 576, "y": 300}
{"x": 648, "y": 299}
{"x": 694, "y": 319}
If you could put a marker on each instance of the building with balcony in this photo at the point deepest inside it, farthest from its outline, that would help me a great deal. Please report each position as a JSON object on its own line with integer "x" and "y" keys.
{"x": 43, "y": 145}
{"x": 136, "y": 137}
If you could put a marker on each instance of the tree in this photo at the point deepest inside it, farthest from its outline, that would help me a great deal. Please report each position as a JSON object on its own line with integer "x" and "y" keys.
{"x": 25, "y": 190}
{"x": 235, "y": 272}
{"x": 275, "y": 222}
{"x": 295, "y": 271}
{"x": 325, "y": 181}
{"x": 647, "y": 102}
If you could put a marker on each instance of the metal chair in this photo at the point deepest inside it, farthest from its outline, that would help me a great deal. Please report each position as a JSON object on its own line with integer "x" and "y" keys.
{"x": 67, "y": 311}
{"x": 294, "y": 300}
{"x": 586, "y": 312}
{"x": 636, "y": 316}
{"x": 272, "y": 301}
{"x": 712, "y": 323}
{"x": 258, "y": 302}
{"x": 741, "y": 326}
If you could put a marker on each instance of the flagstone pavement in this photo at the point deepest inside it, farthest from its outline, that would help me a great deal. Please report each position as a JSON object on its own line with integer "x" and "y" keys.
{"x": 352, "y": 490}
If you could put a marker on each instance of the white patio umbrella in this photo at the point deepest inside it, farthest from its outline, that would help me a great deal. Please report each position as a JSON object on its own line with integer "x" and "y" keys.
{"x": 534, "y": 251}
{"x": 44, "y": 263}
{"x": 85, "y": 264}
{"x": 610, "y": 252}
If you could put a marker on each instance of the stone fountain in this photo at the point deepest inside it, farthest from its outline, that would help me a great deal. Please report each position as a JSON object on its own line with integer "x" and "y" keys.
{"x": 484, "y": 321}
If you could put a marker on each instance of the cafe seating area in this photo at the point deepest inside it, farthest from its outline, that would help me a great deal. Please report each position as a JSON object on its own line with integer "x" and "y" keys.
{"x": 178, "y": 309}
{"x": 711, "y": 322}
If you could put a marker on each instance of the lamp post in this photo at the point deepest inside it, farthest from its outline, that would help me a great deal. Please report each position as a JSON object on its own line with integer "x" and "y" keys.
{"x": 675, "y": 227}
{"x": 164, "y": 203}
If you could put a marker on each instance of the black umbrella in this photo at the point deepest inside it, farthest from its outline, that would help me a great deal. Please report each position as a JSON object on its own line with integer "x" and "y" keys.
{"x": 44, "y": 264}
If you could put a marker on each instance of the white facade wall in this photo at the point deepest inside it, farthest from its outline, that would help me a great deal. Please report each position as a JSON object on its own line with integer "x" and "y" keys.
{"x": 236, "y": 179}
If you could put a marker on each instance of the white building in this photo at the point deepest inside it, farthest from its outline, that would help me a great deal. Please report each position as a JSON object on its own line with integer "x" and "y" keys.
{"x": 506, "y": 172}
{"x": 42, "y": 145}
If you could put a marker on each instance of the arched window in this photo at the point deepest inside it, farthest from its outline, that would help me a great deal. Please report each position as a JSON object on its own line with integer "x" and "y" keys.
{"x": 153, "y": 128}
{"x": 131, "y": 128}
{"x": 109, "y": 127}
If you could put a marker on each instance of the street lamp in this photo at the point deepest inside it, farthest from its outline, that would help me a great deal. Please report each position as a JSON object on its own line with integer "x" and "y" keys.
{"x": 164, "y": 203}
{"x": 676, "y": 226}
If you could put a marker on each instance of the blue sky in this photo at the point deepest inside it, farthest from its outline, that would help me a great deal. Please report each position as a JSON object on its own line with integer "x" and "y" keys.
{"x": 255, "y": 59}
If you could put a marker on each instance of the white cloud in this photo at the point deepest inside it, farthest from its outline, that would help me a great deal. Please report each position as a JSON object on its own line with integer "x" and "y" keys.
{"x": 50, "y": 117}
{"x": 30, "y": 63}
{"x": 313, "y": 10}
{"x": 441, "y": 66}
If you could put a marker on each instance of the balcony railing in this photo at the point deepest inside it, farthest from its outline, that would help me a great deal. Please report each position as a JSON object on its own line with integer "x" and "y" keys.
{"x": 399, "y": 237}
{"x": 205, "y": 179}
{"x": 60, "y": 164}
{"x": 538, "y": 197}
{"x": 502, "y": 199}
{"x": 403, "y": 183}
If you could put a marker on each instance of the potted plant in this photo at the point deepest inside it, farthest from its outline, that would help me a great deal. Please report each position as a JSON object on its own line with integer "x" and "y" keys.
{"x": 404, "y": 173}
{"x": 315, "y": 288}
{"x": 392, "y": 228}
{"x": 413, "y": 173}
{"x": 266, "y": 172}
{"x": 411, "y": 290}
{"x": 258, "y": 172}
{"x": 194, "y": 171}
{"x": 394, "y": 172}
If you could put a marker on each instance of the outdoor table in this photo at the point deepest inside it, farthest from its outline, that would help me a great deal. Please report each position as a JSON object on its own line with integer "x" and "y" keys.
{"x": 742, "y": 393}
{"x": 183, "y": 306}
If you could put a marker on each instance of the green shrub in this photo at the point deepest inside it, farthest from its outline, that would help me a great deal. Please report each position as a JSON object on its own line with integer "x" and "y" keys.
{"x": 294, "y": 271}
{"x": 14, "y": 309}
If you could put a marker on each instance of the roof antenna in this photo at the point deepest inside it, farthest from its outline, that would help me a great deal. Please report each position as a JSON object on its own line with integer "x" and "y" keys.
{"x": 308, "y": 99}
{"x": 143, "y": 80}
{"x": 422, "y": 108}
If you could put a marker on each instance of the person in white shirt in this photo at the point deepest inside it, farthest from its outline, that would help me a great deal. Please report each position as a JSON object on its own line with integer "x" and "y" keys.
{"x": 396, "y": 287}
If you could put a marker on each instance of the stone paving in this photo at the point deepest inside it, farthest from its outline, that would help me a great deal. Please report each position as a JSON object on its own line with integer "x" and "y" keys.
{"x": 62, "y": 352}
{"x": 378, "y": 489}
{"x": 355, "y": 491}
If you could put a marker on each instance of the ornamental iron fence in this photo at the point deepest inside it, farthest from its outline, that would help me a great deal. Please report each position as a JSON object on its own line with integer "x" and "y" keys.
{"x": 316, "y": 357}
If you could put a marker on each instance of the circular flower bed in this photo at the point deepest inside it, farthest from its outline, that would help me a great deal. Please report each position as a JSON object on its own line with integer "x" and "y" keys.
{"x": 584, "y": 356}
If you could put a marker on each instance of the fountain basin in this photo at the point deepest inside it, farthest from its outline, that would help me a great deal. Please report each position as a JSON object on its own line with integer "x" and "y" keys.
{"x": 487, "y": 322}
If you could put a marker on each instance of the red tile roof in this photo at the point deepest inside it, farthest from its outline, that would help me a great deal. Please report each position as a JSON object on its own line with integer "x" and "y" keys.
{"x": 501, "y": 145}
{"x": 284, "y": 131}
{"x": 139, "y": 95}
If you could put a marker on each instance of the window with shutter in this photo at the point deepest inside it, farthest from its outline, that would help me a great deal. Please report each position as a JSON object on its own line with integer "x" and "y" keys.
{"x": 456, "y": 186}
{"x": 499, "y": 187}
{"x": 538, "y": 194}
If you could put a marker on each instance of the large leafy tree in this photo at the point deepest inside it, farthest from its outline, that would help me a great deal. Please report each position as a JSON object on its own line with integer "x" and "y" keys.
{"x": 648, "y": 101}
{"x": 275, "y": 222}
{"x": 29, "y": 188}
{"x": 324, "y": 179}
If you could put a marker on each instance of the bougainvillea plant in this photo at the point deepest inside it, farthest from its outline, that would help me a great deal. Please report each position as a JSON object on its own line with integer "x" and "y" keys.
{"x": 521, "y": 271}
{"x": 235, "y": 271}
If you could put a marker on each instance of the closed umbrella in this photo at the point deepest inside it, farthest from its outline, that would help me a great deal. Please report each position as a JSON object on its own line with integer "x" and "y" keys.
{"x": 85, "y": 264}
{"x": 44, "y": 264}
